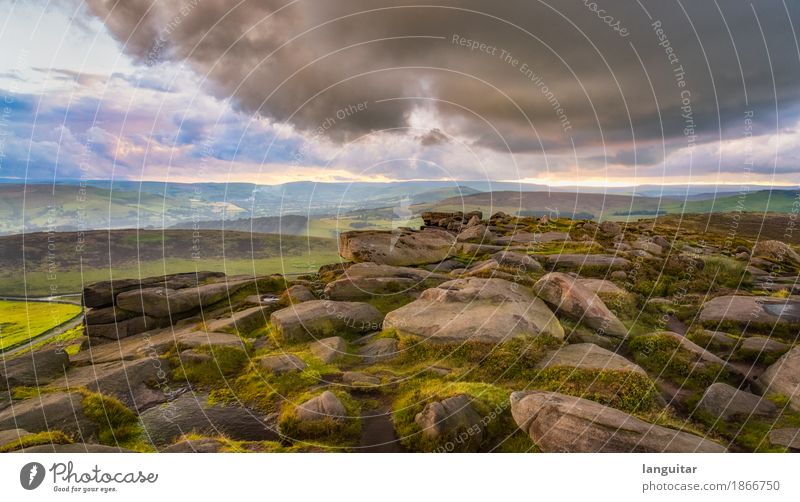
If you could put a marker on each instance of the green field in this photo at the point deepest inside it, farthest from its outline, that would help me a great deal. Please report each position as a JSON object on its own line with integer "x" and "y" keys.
{"x": 22, "y": 321}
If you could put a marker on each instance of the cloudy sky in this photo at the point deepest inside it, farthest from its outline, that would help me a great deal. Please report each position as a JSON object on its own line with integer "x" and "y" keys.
{"x": 587, "y": 92}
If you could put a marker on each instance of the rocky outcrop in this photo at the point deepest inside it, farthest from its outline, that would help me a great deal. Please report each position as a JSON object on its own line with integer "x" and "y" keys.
{"x": 324, "y": 318}
{"x": 402, "y": 247}
{"x": 783, "y": 378}
{"x": 566, "y": 295}
{"x": 560, "y": 423}
{"x": 56, "y": 411}
{"x": 364, "y": 281}
{"x": 447, "y": 419}
{"x": 776, "y": 251}
{"x": 330, "y": 349}
{"x": 475, "y": 309}
{"x": 382, "y": 349}
{"x": 724, "y": 402}
{"x": 33, "y": 369}
{"x": 587, "y": 356}
{"x": 516, "y": 262}
{"x": 751, "y": 310}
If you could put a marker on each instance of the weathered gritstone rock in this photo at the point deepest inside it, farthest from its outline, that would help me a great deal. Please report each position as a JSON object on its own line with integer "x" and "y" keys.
{"x": 192, "y": 413}
{"x": 560, "y": 423}
{"x": 776, "y": 251}
{"x": 74, "y": 448}
{"x": 533, "y": 238}
{"x": 357, "y": 379}
{"x": 579, "y": 261}
{"x": 124, "y": 329}
{"x": 788, "y": 438}
{"x": 476, "y": 233}
{"x": 610, "y": 228}
{"x": 400, "y": 247}
{"x": 10, "y": 436}
{"x": 760, "y": 345}
{"x": 205, "y": 445}
{"x": 107, "y": 315}
{"x": 296, "y": 294}
{"x": 101, "y": 294}
{"x": 382, "y": 349}
{"x": 588, "y": 356}
{"x": 363, "y": 281}
{"x": 647, "y": 246}
{"x": 724, "y": 402}
{"x": 601, "y": 287}
{"x": 749, "y": 310}
{"x": 57, "y": 411}
{"x": 243, "y": 322}
{"x": 445, "y": 420}
{"x": 330, "y": 349}
{"x": 702, "y": 356}
{"x": 566, "y": 295}
{"x": 282, "y": 363}
{"x": 517, "y": 262}
{"x": 474, "y": 309}
{"x": 324, "y": 318}
{"x": 132, "y": 382}
{"x": 783, "y": 378}
{"x": 324, "y": 406}
{"x": 33, "y": 369}
{"x": 161, "y": 302}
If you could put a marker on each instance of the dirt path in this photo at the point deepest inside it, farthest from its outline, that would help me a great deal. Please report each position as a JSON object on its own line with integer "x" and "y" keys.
{"x": 377, "y": 432}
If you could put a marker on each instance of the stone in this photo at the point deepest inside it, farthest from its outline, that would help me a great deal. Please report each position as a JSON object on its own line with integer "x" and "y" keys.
{"x": 189, "y": 412}
{"x": 475, "y": 309}
{"x": 74, "y": 448}
{"x": 33, "y": 369}
{"x": 124, "y": 329}
{"x": 282, "y": 363}
{"x": 443, "y": 267}
{"x": 610, "y": 228}
{"x": 55, "y": 411}
{"x": 783, "y": 377}
{"x": 297, "y": 294}
{"x": 566, "y": 295}
{"x": 163, "y": 302}
{"x": 107, "y": 315}
{"x": 243, "y": 322}
{"x": 449, "y": 418}
{"x": 720, "y": 339}
{"x": 787, "y": 437}
{"x": 192, "y": 356}
{"x": 517, "y": 262}
{"x": 477, "y": 233}
{"x": 619, "y": 275}
{"x": 724, "y": 402}
{"x": 10, "y": 436}
{"x": 204, "y": 445}
{"x": 647, "y": 246}
{"x": 588, "y": 356}
{"x": 762, "y": 345}
{"x": 324, "y": 318}
{"x": 601, "y": 286}
{"x": 399, "y": 247}
{"x": 578, "y": 261}
{"x": 101, "y": 294}
{"x": 701, "y": 355}
{"x": 324, "y": 406}
{"x": 749, "y": 310}
{"x": 380, "y": 350}
{"x": 132, "y": 382}
{"x": 533, "y": 238}
{"x": 330, "y": 349}
{"x": 566, "y": 424}
{"x": 776, "y": 251}
{"x": 358, "y": 379}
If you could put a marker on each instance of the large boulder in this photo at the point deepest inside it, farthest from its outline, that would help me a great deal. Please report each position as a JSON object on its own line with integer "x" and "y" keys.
{"x": 783, "y": 377}
{"x": 326, "y": 405}
{"x": 330, "y": 349}
{"x": 601, "y": 286}
{"x": 751, "y": 310}
{"x": 517, "y": 262}
{"x": 379, "y": 350}
{"x": 588, "y": 356}
{"x": 192, "y": 413}
{"x": 123, "y": 329}
{"x": 324, "y": 318}
{"x": 446, "y": 420}
{"x": 297, "y": 294}
{"x": 776, "y": 251}
{"x": 165, "y": 301}
{"x": 102, "y": 294}
{"x": 242, "y": 322}
{"x": 363, "y": 281}
{"x": 476, "y": 233}
{"x": 107, "y": 315}
{"x": 567, "y": 295}
{"x": 281, "y": 364}
{"x": 475, "y": 309}
{"x": 560, "y": 423}
{"x": 724, "y": 402}
{"x": 33, "y": 368}
{"x": 400, "y": 247}
{"x": 56, "y": 411}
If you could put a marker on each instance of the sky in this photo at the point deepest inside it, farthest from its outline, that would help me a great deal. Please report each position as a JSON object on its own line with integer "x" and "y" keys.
{"x": 569, "y": 92}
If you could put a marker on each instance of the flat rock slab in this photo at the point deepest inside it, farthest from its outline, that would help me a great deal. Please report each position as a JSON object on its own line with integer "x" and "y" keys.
{"x": 518, "y": 262}
{"x": 475, "y": 309}
{"x": 783, "y": 377}
{"x": 132, "y": 382}
{"x": 192, "y": 413}
{"x": 56, "y": 411}
{"x": 601, "y": 287}
{"x": 324, "y": 318}
{"x": 588, "y": 356}
{"x": 401, "y": 247}
{"x": 11, "y": 435}
{"x": 33, "y": 368}
{"x": 330, "y": 349}
{"x": 560, "y": 423}
{"x": 788, "y": 437}
{"x": 163, "y": 302}
{"x": 579, "y": 261}
{"x": 725, "y": 402}
{"x": 282, "y": 363}
{"x": 101, "y": 294}
{"x": 751, "y": 310}
{"x": 380, "y": 350}
{"x": 244, "y": 321}
{"x": 567, "y": 295}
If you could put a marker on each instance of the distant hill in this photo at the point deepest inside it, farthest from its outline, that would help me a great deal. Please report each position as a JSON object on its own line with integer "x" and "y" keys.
{"x": 291, "y": 224}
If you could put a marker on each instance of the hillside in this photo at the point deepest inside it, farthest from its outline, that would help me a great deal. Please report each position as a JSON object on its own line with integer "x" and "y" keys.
{"x": 290, "y": 224}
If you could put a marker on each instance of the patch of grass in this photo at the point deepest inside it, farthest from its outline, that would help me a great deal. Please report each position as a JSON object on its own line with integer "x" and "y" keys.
{"x": 566, "y": 247}
{"x": 21, "y": 322}
{"x": 489, "y": 401}
{"x": 344, "y": 431}
{"x": 224, "y": 362}
{"x": 624, "y": 390}
{"x": 726, "y": 271}
{"x": 387, "y": 303}
{"x": 118, "y": 425}
{"x": 663, "y": 355}
{"x": 37, "y": 439}
{"x": 69, "y": 341}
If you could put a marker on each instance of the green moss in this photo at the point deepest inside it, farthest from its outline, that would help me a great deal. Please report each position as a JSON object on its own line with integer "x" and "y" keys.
{"x": 341, "y": 432}
{"x": 117, "y": 423}
{"x": 37, "y": 439}
{"x": 624, "y": 390}
{"x": 223, "y": 364}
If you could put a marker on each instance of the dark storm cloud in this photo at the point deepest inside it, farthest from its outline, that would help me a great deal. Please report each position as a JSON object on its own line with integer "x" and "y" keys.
{"x": 573, "y": 75}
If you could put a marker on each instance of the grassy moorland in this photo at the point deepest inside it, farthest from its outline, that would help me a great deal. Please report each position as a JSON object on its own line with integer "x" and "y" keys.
{"x": 22, "y": 321}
